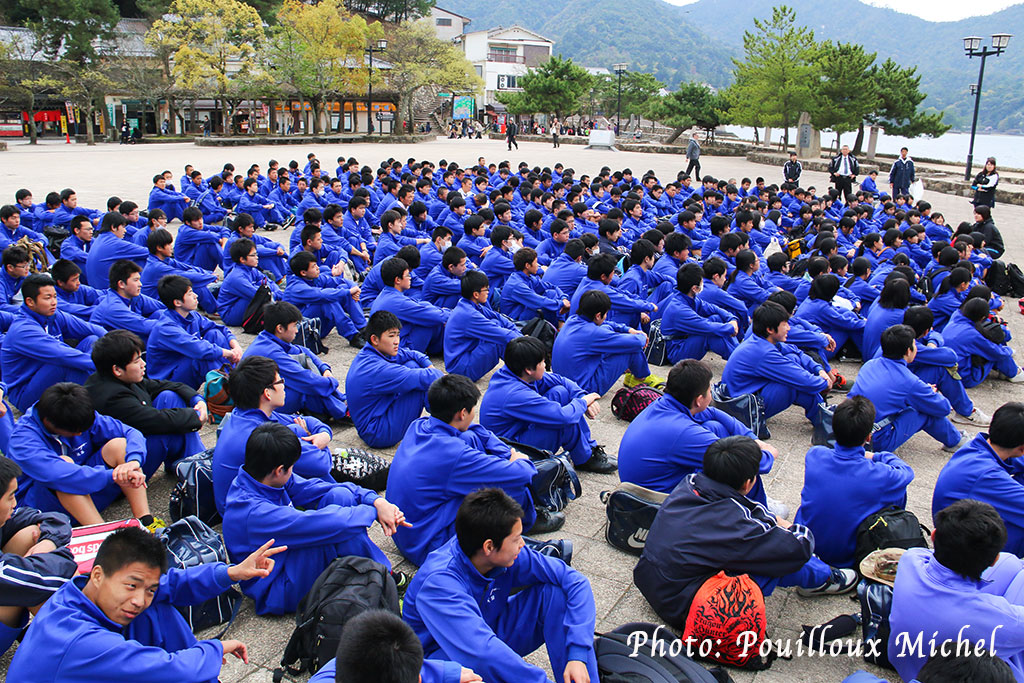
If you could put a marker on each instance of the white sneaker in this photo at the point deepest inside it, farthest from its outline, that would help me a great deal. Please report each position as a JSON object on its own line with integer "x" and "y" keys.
{"x": 1018, "y": 378}
{"x": 777, "y": 508}
{"x": 841, "y": 581}
{"x": 955, "y": 447}
{"x": 977, "y": 418}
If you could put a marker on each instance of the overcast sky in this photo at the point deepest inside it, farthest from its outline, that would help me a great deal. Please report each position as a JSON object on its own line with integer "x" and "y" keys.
{"x": 932, "y": 10}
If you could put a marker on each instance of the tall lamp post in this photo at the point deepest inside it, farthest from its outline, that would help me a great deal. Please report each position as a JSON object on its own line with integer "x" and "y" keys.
{"x": 619, "y": 69}
{"x": 378, "y": 46}
{"x": 973, "y": 48}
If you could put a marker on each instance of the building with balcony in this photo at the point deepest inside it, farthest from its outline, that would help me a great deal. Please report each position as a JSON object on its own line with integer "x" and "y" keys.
{"x": 501, "y": 57}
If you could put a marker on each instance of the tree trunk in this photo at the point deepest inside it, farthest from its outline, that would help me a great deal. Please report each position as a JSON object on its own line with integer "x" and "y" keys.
{"x": 674, "y": 135}
{"x": 767, "y": 136}
{"x": 172, "y": 122}
{"x": 859, "y": 142}
{"x": 756, "y": 140}
{"x": 301, "y": 117}
{"x": 33, "y": 135}
{"x": 195, "y": 115}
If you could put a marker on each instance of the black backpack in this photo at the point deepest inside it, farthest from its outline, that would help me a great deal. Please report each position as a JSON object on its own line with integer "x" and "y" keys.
{"x": 309, "y": 335}
{"x": 890, "y": 527}
{"x": 875, "y": 605}
{"x": 252, "y": 318}
{"x": 617, "y": 663}
{"x": 998, "y": 280}
{"x": 556, "y": 481}
{"x": 193, "y": 494}
{"x": 747, "y": 408}
{"x": 657, "y": 345}
{"x": 631, "y": 510}
{"x": 191, "y": 543}
{"x": 1016, "y": 278}
{"x": 348, "y": 587}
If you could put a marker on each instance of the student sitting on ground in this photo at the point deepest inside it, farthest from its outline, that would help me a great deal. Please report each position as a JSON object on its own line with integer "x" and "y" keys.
{"x": 475, "y": 335}
{"x": 937, "y": 364}
{"x": 693, "y": 327}
{"x": 978, "y": 353}
{"x": 77, "y": 461}
{"x": 709, "y": 524}
{"x": 310, "y": 388}
{"x": 273, "y": 257}
{"x": 497, "y": 264}
{"x": 169, "y": 414}
{"x": 443, "y": 285}
{"x": 124, "y": 306}
{"x": 780, "y": 373}
{"x": 526, "y": 296}
{"x": 422, "y": 322}
{"x": 161, "y": 262}
{"x": 667, "y": 441}
{"x": 601, "y": 275}
{"x": 378, "y": 646}
{"x": 125, "y": 610}
{"x": 842, "y": 324}
{"x": 16, "y": 263}
{"x": 77, "y": 245}
{"x": 568, "y": 270}
{"x": 109, "y": 246}
{"x": 987, "y": 468}
{"x": 318, "y": 521}
{"x": 595, "y": 352}
{"x": 387, "y": 384}
{"x": 37, "y": 350}
{"x": 245, "y": 285}
{"x": 445, "y": 457}
{"x": 886, "y": 311}
{"x": 73, "y": 297}
{"x": 489, "y": 630}
{"x": 35, "y": 561}
{"x": 962, "y": 593}
{"x": 845, "y": 484}
{"x": 258, "y": 392}
{"x": 950, "y": 296}
{"x": 335, "y": 300}
{"x": 184, "y": 345}
{"x": 900, "y": 396}
{"x": 525, "y": 403}
{"x": 197, "y": 243}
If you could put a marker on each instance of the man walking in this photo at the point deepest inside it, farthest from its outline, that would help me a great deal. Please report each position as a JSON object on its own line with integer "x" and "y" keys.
{"x": 693, "y": 155}
{"x": 844, "y": 169}
{"x": 901, "y": 175}
{"x": 511, "y": 130}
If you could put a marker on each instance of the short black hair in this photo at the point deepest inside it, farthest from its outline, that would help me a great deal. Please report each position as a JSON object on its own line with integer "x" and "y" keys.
{"x": 472, "y": 282}
{"x": 970, "y": 667}
{"x": 785, "y": 299}
{"x": 9, "y": 471}
{"x": 687, "y": 380}
{"x": 897, "y": 340}
{"x": 67, "y": 406}
{"x": 301, "y": 262}
{"x": 280, "y": 313}
{"x": 768, "y": 316}
{"x": 523, "y": 258}
{"x": 269, "y": 446}
{"x": 15, "y": 255}
{"x": 688, "y": 276}
{"x": 392, "y": 270}
{"x": 130, "y": 545}
{"x": 380, "y": 322}
{"x": 115, "y": 348}
{"x": 32, "y": 285}
{"x": 241, "y": 248}
{"x": 969, "y": 535}
{"x": 63, "y": 270}
{"x": 601, "y": 265}
{"x": 524, "y": 353}
{"x": 974, "y": 310}
{"x": 485, "y": 514}
{"x": 249, "y": 379}
{"x": 452, "y": 257}
{"x": 1006, "y": 429}
{"x": 158, "y": 238}
{"x": 449, "y": 394}
{"x": 120, "y": 271}
{"x": 919, "y": 318}
{"x": 853, "y": 421}
{"x": 593, "y": 302}
{"x": 378, "y": 646}
{"x": 733, "y": 461}
{"x": 172, "y": 288}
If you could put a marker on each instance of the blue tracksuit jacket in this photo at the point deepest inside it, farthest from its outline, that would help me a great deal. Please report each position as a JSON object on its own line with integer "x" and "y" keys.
{"x": 157, "y": 268}
{"x": 694, "y": 326}
{"x": 237, "y": 291}
{"x": 114, "y": 312}
{"x": 877, "y": 321}
{"x": 199, "y": 247}
{"x": 422, "y": 322}
{"x": 301, "y": 370}
{"x": 975, "y": 354}
{"x": 524, "y": 297}
{"x": 781, "y": 373}
{"x": 180, "y": 348}
{"x": 441, "y": 288}
{"x": 595, "y": 356}
{"x": 497, "y": 266}
{"x": 107, "y": 248}
{"x": 565, "y": 273}
{"x": 475, "y": 338}
{"x": 436, "y": 467}
{"x": 77, "y": 251}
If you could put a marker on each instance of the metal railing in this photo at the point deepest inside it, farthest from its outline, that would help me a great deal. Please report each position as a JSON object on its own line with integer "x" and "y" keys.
{"x": 505, "y": 57}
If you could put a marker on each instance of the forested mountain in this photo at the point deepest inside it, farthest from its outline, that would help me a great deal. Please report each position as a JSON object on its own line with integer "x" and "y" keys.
{"x": 697, "y": 42}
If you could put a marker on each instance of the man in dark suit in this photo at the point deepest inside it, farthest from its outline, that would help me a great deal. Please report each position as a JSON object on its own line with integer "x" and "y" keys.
{"x": 844, "y": 169}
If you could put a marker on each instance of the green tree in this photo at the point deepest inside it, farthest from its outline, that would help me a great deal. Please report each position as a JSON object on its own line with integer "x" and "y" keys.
{"x": 775, "y": 81}
{"x": 395, "y": 11}
{"x": 898, "y": 103}
{"x": 846, "y": 90}
{"x": 638, "y": 89}
{"x": 557, "y": 86}
{"x": 420, "y": 61}
{"x": 694, "y": 104}
{"x": 70, "y": 30}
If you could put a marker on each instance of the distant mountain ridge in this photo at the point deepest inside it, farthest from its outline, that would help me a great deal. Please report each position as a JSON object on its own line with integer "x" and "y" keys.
{"x": 698, "y": 42}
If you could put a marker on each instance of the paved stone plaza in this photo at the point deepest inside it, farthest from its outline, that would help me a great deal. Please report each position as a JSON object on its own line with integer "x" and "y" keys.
{"x": 98, "y": 172}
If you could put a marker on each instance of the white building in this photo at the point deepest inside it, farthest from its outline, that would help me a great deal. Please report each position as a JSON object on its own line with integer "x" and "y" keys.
{"x": 501, "y": 56}
{"x": 447, "y": 25}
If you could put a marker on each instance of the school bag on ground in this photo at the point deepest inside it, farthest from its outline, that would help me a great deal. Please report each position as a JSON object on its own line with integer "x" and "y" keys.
{"x": 823, "y": 436}
{"x": 360, "y": 467}
{"x": 875, "y": 605}
{"x": 309, "y": 336}
{"x": 543, "y": 330}
{"x": 252, "y": 318}
{"x": 193, "y": 494}
{"x": 348, "y": 587}
{"x": 998, "y": 280}
{"x": 215, "y": 394}
{"x": 190, "y": 543}
{"x": 728, "y": 611}
{"x": 890, "y": 527}
{"x": 629, "y": 402}
{"x": 631, "y": 510}
{"x": 657, "y": 345}
{"x": 747, "y": 408}
{"x": 1016, "y": 278}
{"x": 616, "y": 663}
{"x": 556, "y": 481}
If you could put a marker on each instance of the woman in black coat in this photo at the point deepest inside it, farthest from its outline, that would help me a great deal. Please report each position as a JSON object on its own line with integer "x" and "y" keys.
{"x": 984, "y": 185}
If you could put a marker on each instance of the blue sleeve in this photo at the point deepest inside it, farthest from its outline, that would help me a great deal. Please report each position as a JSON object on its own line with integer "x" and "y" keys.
{"x": 32, "y": 340}
{"x": 194, "y": 585}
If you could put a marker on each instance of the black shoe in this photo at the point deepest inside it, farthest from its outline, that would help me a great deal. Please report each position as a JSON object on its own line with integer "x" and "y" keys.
{"x": 547, "y": 521}
{"x": 401, "y": 580}
{"x": 599, "y": 462}
{"x": 271, "y": 227}
{"x": 560, "y": 548}
{"x": 356, "y": 341}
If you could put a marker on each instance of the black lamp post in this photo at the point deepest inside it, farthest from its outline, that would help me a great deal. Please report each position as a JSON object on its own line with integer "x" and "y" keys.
{"x": 972, "y": 47}
{"x": 619, "y": 69}
{"x": 379, "y": 45}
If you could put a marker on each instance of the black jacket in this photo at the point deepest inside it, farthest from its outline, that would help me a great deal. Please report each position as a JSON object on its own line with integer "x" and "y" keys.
{"x": 837, "y": 163}
{"x": 993, "y": 238}
{"x": 133, "y": 404}
{"x": 791, "y": 171}
{"x": 704, "y": 527}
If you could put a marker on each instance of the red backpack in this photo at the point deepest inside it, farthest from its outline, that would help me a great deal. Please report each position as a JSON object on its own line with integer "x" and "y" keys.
{"x": 728, "y": 616}
{"x": 629, "y": 402}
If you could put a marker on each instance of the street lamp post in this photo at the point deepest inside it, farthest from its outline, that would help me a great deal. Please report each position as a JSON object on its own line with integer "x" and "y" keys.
{"x": 380, "y": 45}
{"x": 619, "y": 69}
{"x": 972, "y": 48}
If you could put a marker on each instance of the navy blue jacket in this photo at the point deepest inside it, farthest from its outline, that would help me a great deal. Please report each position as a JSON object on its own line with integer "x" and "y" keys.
{"x": 29, "y": 581}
